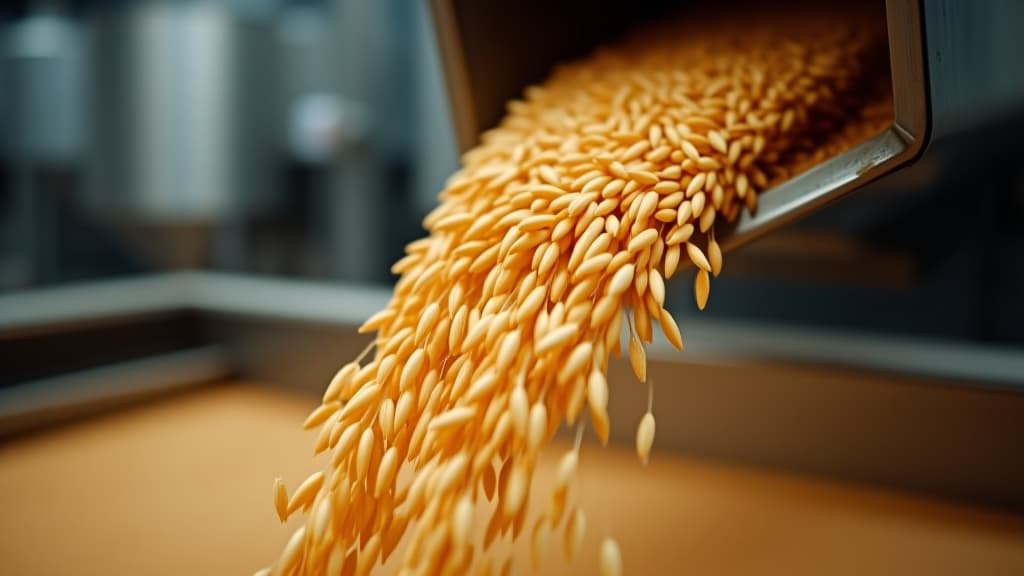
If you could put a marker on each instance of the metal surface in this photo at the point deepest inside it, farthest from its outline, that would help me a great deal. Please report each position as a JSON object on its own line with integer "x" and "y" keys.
{"x": 935, "y": 417}
{"x": 345, "y": 306}
{"x": 868, "y": 161}
{"x": 975, "y": 69}
{"x": 59, "y": 308}
{"x": 822, "y": 184}
{"x": 35, "y": 404}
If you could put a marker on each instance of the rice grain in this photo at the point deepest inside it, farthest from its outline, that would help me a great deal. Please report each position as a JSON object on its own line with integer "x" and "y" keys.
{"x": 564, "y": 221}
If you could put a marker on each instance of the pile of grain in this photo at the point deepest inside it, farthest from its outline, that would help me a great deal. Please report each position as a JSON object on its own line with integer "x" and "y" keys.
{"x": 558, "y": 235}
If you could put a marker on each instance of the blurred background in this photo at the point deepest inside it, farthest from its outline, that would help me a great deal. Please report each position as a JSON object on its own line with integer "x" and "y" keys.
{"x": 307, "y": 138}
{"x": 300, "y": 138}
{"x": 213, "y": 191}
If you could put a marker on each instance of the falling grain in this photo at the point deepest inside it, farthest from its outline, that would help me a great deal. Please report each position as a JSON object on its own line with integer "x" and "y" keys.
{"x": 292, "y": 552}
{"x": 304, "y": 494}
{"x": 320, "y": 414}
{"x": 570, "y": 215}
{"x": 386, "y": 472}
{"x": 452, "y": 418}
{"x": 715, "y": 257}
{"x": 671, "y": 329}
{"x": 697, "y": 257}
{"x": 702, "y": 288}
{"x": 610, "y": 563}
{"x": 575, "y": 531}
{"x": 515, "y": 493}
{"x": 638, "y": 359}
{"x": 281, "y": 499}
{"x": 645, "y": 438}
{"x": 622, "y": 280}
{"x": 462, "y": 521}
{"x": 556, "y": 338}
{"x": 360, "y": 402}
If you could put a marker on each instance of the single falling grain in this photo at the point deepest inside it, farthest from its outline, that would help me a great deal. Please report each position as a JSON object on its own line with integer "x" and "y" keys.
{"x": 556, "y": 338}
{"x": 538, "y": 543}
{"x": 715, "y": 257}
{"x": 671, "y": 329}
{"x": 515, "y": 493}
{"x": 638, "y": 358}
{"x": 281, "y": 499}
{"x": 610, "y": 559}
{"x": 575, "y": 531}
{"x": 622, "y": 280}
{"x": 386, "y": 472}
{"x": 304, "y": 494}
{"x": 566, "y": 470}
{"x": 697, "y": 257}
{"x": 292, "y": 553}
{"x": 702, "y": 288}
{"x": 645, "y": 437}
{"x": 462, "y": 521}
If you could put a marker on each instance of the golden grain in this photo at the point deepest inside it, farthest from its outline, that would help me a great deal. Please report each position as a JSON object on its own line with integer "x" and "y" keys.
{"x": 643, "y": 240}
{"x": 360, "y": 402}
{"x": 548, "y": 174}
{"x": 593, "y": 265}
{"x": 452, "y": 418}
{"x": 364, "y": 453}
{"x": 281, "y": 499}
{"x": 386, "y": 366}
{"x": 403, "y": 408}
{"x": 622, "y": 280}
{"x": 340, "y": 381}
{"x": 714, "y": 256}
{"x": 386, "y": 472}
{"x": 320, "y": 414}
{"x": 690, "y": 150}
{"x": 718, "y": 142}
{"x": 680, "y": 234}
{"x": 368, "y": 555}
{"x": 656, "y": 284}
{"x": 610, "y": 558}
{"x": 701, "y": 288}
{"x": 696, "y": 185}
{"x": 697, "y": 204}
{"x": 697, "y": 257}
{"x": 515, "y": 492}
{"x": 576, "y": 362}
{"x": 378, "y": 320}
{"x": 304, "y": 494}
{"x": 462, "y": 521}
{"x": 575, "y": 531}
{"x": 292, "y": 552}
{"x": 556, "y": 338}
{"x": 538, "y": 428}
{"x": 507, "y": 351}
{"x": 412, "y": 369}
{"x": 511, "y": 306}
{"x": 665, "y": 215}
{"x": 476, "y": 334}
{"x": 670, "y": 329}
{"x": 645, "y": 438}
{"x": 488, "y": 481}
{"x": 638, "y": 359}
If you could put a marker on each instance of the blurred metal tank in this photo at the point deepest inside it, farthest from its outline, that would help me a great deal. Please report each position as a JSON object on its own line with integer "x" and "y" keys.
{"x": 166, "y": 165}
{"x": 218, "y": 117}
{"x": 43, "y": 111}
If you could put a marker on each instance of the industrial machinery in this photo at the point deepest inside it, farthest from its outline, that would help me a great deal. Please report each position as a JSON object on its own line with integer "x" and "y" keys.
{"x": 490, "y": 56}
